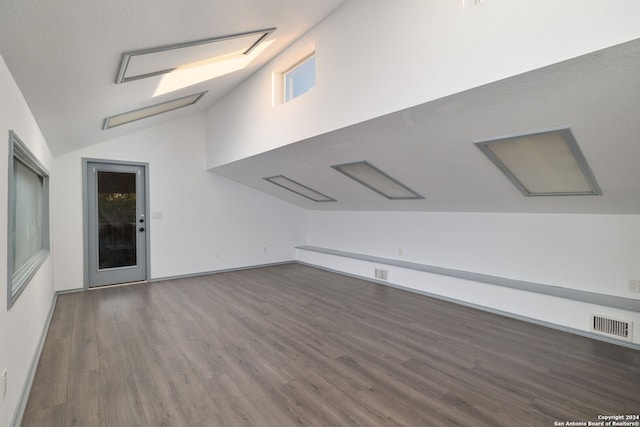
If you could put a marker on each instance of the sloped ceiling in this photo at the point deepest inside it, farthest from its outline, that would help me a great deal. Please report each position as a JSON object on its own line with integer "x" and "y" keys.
{"x": 430, "y": 147}
{"x": 65, "y": 54}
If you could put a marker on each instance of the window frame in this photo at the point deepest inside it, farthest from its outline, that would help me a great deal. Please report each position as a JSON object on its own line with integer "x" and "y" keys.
{"x": 296, "y": 65}
{"x": 18, "y": 279}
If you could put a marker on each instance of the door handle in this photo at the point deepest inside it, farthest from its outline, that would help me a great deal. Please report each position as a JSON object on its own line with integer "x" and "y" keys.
{"x": 141, "y": 229}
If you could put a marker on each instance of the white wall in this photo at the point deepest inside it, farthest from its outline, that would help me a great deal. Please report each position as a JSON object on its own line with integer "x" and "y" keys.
{"x": 22, "y": 326}
{"x": 594, "y": 253}
{"x": 376, "y": 56}
{"x": 210, "y": 223}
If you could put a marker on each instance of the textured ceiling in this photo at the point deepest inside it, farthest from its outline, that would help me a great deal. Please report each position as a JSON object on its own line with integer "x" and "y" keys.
{"x": 430, "y": 147}
{"x": 65, "y": 54}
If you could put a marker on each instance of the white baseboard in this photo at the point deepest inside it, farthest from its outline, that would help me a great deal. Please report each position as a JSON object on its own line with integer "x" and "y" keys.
{"x": 227, "y": 270}
{"x": 33, "y": 367}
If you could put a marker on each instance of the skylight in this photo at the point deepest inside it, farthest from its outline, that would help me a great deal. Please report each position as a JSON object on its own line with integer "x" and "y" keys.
{"x": 143, "y": 113}
{"x": 296, "y": 187}
{"x": 145, "y": 63}
{"x": 546, "y": 163}
{"x": 190, "y": 75}
{"x": 378, "y": 181}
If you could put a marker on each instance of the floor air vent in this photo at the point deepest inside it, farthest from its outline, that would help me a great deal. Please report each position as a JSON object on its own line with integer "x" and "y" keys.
{"x": 613, "y": 327}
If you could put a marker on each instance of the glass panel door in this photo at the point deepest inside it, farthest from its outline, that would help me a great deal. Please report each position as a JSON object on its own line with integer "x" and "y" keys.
{"x": 116, "y": 223}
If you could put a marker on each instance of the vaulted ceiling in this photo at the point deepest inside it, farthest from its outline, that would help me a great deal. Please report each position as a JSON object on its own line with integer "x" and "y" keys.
{"x": 65, "y": 55}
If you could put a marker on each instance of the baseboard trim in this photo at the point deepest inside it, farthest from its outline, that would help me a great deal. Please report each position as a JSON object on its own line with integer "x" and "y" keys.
{"x": 226, "y": 270}
{"x": 550, "y": 325}
{"x": 18, "y": 415}
{"x": 70, "y": 291}
{"x": 180, "y": 276}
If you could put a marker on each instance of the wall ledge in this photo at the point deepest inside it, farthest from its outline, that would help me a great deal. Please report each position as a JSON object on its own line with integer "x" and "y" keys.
{"x": 621, "y": 303}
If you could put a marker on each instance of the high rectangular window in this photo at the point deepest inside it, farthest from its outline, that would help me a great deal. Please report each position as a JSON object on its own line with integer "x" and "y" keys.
{"x": 28, "y": 222}
{"x": 300, "y": 78}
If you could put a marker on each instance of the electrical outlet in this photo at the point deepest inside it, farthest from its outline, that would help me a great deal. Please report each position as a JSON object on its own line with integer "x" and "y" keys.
{"x": 400, "y": 252}
{"x": 265, "y": 249}
{"x": 4, "y": 384}
{"x": 469, "y": 3}
{"x": 634, "y": 285}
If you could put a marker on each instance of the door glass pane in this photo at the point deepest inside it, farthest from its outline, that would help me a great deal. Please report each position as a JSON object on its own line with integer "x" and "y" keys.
{"x": 116, "y": 219}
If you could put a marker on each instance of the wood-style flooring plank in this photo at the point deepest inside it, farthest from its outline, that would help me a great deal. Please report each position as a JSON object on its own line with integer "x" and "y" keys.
{"x": 52, "y": 416}
{"x": 291, "y": 345}
{"x": 84, "y": 346}
{"x": 84, "y": 389}
{"x": 122, "y": 405}
{"x": 49, "y": 393}
{"x": 157, "y": 396}
{"x": 84, "y": 401}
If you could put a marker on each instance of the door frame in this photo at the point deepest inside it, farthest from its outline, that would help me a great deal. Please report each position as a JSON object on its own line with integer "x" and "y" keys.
{"x": 85, "y": 213}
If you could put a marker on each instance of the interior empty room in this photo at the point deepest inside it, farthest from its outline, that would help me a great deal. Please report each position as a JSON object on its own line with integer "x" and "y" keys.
{"x": 346, "y": 212}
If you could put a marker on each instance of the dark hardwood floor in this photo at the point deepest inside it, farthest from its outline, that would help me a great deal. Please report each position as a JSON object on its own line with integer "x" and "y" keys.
{"x": 293, "y": 345}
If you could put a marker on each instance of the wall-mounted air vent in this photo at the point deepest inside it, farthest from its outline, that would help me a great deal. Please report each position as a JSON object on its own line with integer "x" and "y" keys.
{"x": 381, "y": 274}
{"x": 612, "y": 327}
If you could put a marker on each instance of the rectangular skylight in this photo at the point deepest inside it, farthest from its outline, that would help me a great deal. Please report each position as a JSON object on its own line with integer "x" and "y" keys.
{"x": 378, "y": 181}
{"x": 546, "y": 163}
{"x": 296, "y": 187}
{"x": 145, "y": 63}
{"x": 143, "y": 113}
